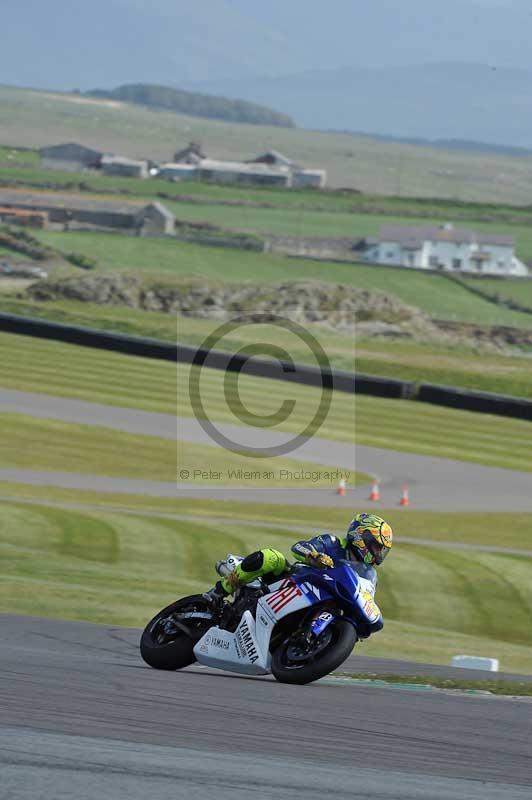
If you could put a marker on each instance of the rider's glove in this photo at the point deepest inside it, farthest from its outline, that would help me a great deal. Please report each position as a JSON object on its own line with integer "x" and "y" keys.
{"x": 320, "y": 560}
{"x": 232, "y": 581}
{"x": 215, "y": 595}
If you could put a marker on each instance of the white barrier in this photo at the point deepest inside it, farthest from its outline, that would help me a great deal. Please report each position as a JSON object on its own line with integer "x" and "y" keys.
{"x": 475, "y": 662}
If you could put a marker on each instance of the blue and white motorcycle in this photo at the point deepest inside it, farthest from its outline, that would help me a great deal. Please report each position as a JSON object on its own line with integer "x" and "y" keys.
{"x": 299, "y": 629}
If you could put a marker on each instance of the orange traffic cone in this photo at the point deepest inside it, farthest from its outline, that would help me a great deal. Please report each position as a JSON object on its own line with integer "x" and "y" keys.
{"x": 375, "y": 493}
{"x": 405, "y": 498}
{"x": 342, "y": 490}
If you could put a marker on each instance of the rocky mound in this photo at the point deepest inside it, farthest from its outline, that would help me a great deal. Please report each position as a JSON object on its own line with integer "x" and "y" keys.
{"x": 337, "y": 307}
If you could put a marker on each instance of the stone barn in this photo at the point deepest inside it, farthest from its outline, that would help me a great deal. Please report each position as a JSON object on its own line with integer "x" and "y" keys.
{"x": 157, "y": 221}
{"x": 76, "y": 211}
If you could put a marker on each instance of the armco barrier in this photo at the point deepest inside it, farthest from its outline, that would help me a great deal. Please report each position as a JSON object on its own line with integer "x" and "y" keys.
{"x": 216, "y": 359}
{"x": 87, "y": 337}
{"x": 338, "y": 380}
{"x": 485, "y": 402}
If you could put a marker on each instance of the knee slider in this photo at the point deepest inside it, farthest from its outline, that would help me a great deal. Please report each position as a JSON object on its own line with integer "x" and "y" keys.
{"x": 253, "y": 562}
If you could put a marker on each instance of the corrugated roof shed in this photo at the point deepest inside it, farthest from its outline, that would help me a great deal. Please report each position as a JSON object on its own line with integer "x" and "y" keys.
{"x": 70, "y": 151}
{"x": 239, "y": 166}
{"x": 110, "y": 159}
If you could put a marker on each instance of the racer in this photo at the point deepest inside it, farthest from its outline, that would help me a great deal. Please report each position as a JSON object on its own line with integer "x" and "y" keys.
{"x": 366, "y": 544}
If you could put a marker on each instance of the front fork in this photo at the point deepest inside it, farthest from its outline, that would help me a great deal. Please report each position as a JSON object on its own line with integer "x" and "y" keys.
{"x": 322, "y": 619}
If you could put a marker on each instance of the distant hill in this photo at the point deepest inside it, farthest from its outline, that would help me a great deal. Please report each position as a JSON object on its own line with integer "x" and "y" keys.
{"x": 449, "y": 101}
{"x": 197, "y": 105}
{"x": 460, "y": 145}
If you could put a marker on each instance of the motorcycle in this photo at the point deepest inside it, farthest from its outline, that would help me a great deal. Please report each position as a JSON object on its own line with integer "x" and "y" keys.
{"x": 299, "y": 629}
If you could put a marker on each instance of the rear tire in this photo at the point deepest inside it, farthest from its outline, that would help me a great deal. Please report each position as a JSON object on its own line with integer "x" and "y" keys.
{"x": 343, "y": 640}
{"x": 177, "y": 652}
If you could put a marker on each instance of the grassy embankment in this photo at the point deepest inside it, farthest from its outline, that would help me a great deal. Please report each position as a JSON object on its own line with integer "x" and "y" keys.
{"x": 92, "y": 375}
{"x": 100, "y": 566}
{"x": 434, "y": 294}
{"x": 33, "y": 118}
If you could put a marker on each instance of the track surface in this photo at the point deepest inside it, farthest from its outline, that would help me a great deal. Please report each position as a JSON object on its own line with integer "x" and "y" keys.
{"x": 436, "y": 484}
{"x": 82, "y": 717}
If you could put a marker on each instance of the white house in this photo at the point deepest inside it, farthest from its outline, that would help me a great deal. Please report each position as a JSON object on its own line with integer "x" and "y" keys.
{"x": 445, "y": 248}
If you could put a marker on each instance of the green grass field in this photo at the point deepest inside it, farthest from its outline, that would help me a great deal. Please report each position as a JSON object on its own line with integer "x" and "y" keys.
{"x": 43, "y": 444}
{"x": 100, "y": 566}
{"x": 450, "y": 366}
{"x": 53, "y": 368}
{"x": 31, "y": 118}
{"x": 517, "y": 289}
{"x": 439, "y": 297}
{"x": 409, "y": 525}
{"x": 410, "y": 361}
{"x": 23, "y": 166}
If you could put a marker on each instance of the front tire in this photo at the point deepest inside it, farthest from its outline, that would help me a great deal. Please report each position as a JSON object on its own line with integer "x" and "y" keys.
{"x": 288, "y": 666}
{"x": 164, "y": 648}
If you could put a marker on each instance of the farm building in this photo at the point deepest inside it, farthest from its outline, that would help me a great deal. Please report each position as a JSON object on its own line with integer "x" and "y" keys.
{"x": 71, "y": 157}
{"x": 301, "y": 177}
{"x": 177, "y": 171}
{"x": 190, "y": 154}
{"x": 30, "y": 219}
{"x": 77, "y": 211}
{"x": 157, "y": 220}
{"x": 238, "y": 172}
{"x": 273, "y": 158}
{"x": 125, "y": 167}
{"x": 444, "y": 248}
{"x": 271, "y": 168}
{"x": 309, "y": 178}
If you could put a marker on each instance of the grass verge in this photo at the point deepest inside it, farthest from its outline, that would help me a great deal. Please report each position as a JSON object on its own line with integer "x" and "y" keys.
{"x": 44, "y": 444}
{"x": 493, "y": 686}
{"x": 469, "y": 528}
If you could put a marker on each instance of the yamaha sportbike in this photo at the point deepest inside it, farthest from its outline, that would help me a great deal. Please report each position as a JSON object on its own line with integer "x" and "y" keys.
{"x": 299, "y": 629}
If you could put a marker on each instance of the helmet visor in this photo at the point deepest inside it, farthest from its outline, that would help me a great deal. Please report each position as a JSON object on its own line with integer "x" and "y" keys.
{"x": 377, "y": 550}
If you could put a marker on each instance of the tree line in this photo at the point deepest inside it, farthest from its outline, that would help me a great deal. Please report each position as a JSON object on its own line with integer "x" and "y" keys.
{"x": 197, "y": 105}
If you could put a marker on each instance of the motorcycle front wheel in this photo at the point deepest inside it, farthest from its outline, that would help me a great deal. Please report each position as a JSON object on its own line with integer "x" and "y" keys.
{"x": 299, "y": 661}
{"x": 165, "y": 643}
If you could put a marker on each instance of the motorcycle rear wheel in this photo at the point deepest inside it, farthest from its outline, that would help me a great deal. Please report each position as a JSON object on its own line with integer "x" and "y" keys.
{"x": 320, "y": 662}
{"x": 171, "y": 652}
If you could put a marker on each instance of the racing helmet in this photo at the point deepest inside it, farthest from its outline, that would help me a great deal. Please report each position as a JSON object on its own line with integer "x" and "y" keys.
{"x": 369, "y": 539}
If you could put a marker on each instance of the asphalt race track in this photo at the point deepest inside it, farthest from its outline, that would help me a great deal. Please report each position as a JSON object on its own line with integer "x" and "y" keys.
{"x": 435, "y": 484}
{"x": 82, "y": 718}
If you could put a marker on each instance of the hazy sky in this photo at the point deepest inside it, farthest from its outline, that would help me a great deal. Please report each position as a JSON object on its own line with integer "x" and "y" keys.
{"x": 67, "y": 43}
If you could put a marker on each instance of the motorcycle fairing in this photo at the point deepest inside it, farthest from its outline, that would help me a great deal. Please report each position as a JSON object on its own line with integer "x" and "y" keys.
{"x": 246, "y": 651}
